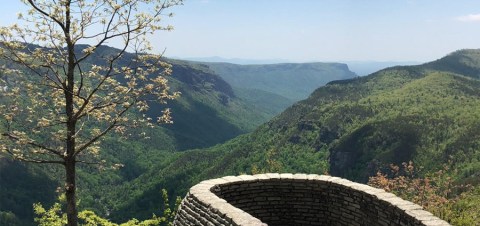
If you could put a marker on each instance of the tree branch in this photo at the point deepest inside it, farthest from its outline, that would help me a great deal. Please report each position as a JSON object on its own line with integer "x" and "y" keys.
{"x": 32, "y": 3}
{"x": 110, "y": 127}
{"x": 107, "y": 75}
{"x": 32, "y": 143}
{"x": 88, "y": 163}
{"x": 33, "y": 160}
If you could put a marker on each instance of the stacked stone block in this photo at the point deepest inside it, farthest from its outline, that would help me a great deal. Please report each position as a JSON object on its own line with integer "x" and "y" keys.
{"x": 296, "y": 199}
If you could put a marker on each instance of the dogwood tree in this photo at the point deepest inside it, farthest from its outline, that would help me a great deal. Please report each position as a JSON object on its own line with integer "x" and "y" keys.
{"x": 59, "y": 96}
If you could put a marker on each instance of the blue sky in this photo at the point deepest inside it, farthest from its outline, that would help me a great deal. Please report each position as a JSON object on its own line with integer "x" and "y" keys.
{"x": 316, "y": 30}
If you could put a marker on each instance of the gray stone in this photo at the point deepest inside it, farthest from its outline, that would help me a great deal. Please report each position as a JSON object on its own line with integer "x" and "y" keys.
{"x": 296, "y": 199}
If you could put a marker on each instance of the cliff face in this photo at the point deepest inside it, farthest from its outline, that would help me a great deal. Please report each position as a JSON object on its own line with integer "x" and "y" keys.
{"x": 198, "y": 79}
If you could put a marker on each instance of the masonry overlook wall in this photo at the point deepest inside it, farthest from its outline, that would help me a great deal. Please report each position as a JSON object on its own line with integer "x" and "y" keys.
{"x": 296, "y": 199}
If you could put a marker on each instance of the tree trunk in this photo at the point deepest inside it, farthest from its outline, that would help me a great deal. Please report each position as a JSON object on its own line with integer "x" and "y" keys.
{"x": 70, "y": 159}
{"x": 70, "y": 186}
{"x": 70, "y": 190}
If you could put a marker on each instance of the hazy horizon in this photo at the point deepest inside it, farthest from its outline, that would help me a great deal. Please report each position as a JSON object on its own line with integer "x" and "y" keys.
{"x": 311, "y": 31}
{"x": 326, "y": 31}
{"x": 361, "y": 68}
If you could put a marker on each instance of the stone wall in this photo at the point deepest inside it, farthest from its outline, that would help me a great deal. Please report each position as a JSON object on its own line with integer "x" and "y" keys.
{"x": 296, "y": 199}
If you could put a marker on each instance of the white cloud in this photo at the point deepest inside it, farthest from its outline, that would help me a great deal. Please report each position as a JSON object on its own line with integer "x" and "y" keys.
{"x": 469, "y": 18}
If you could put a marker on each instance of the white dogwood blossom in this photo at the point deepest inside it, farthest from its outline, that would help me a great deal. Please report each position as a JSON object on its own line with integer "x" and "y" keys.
{"x": 63, "y": 96}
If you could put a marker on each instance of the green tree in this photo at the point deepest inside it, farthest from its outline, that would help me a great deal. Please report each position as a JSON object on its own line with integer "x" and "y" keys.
{"x": 55, "y": 217}
{"x": 57, "y": 102}
{"x": 8, "y": 218}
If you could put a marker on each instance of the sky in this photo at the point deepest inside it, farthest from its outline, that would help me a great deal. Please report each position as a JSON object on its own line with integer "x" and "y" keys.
{"x": 315, "y": 30}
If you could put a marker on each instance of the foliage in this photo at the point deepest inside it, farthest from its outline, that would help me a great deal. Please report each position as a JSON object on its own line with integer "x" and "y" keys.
{"x": 436, "y": 192}
{"x": 271, "y": 165}
{"x": 21, "y": 185}
{"x": 8, "y": 218}
{"x": 52, "y": 216}
{"x": 266, "y": 103}
{"x": 465, "y": 62}
{"x": 55, "y": 217}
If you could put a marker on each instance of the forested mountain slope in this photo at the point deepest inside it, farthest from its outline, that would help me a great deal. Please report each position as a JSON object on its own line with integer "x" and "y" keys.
{"x": 294, "y": 81}
{"x": 352, "y": 128}
{"x": 207, "y": 113}
{"x": 203, "y": 93}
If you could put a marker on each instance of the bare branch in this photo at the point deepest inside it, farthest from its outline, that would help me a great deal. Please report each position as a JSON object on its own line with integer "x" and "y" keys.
{"x": 88, "y": 163}
{"x": 18, "y": 60}
{"x": 33, "y": 160}
{"x": 99, "y": 85}
{"x": 32, "y": 143}
{"x": 41, "y": 161}
{"x": 110, "y": 127}
{"x": 32, "y": 3}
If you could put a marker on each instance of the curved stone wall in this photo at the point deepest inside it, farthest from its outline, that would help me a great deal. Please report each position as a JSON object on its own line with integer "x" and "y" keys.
{"x": 296, "y": 199}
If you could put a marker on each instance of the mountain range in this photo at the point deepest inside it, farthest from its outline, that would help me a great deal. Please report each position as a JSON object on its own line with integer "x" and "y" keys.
{"x": 289, "y": 80}
{"x": 210, "y": 111}
{"x": 359, "y": 67}
{"x": 351, "y": 127}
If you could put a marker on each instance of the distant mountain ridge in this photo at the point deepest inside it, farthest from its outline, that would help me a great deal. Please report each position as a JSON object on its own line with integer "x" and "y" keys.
{"x": 241, "y": 61}
{"x": 363, "y": 68}
{"x": 294, "y": 81}
{"x": 465, "y": 62}
{"x": 359, "y": 67}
